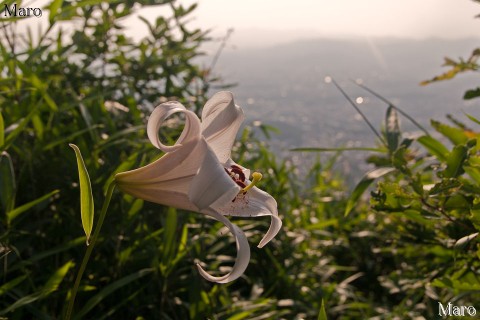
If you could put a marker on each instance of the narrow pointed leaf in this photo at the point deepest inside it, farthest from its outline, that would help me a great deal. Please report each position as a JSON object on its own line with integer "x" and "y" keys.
{"x": 7, "y": 183}
{"x": 392, "y": 129}
{"x": 455, "y": 162}
{"x": 69, "y": 138}
{"x": 169, "y": 236}
{"x": 53, "y": 7}
{"x": 6, "y": 287}
{"x": 51, "y": 286}
{"x": 55, "y": 280}
{"x": 86, "y": 197}
{"x": 322, "y": 315}
{"x": 477, "y": 121}
{"x": 473, "y": 172}
{"x": 2, "y": 131}
{"x": 455, "y": 135}
{"x": 363, "y": 185}
{"x": 17, "y": 211}
{"x": 109, "y": 289}
{"x": 434, "y": 146}
{"x": 18, "y": 128}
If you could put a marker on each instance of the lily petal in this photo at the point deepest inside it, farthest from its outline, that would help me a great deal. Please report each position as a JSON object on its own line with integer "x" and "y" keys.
{"x": 211, "y": 185}
{"x": 221, "y": 119}
{"x": 167, "y": 180}
{"x": 255, "y": 203}
{"x": 243, "y": 252}
{"x": 191, "y": 131}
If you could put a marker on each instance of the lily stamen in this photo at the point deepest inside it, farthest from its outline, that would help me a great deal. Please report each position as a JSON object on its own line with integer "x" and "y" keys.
{"x": 256, "y": 177}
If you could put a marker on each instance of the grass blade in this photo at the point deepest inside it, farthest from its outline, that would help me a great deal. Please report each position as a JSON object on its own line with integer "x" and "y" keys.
{"x": 18, "y": 128}
{"x": 403, "y": 113}
{"x": 359, "y": 112}
{"x": 51, "y": 286}
{"x": 86, "y": 197}
{"x": 7, "y": 183}
{"x": 2, "y": 131}
{"x": 110, "y": 289}
{"x": 322, "y": 315}
{"x": 17, "y": 211}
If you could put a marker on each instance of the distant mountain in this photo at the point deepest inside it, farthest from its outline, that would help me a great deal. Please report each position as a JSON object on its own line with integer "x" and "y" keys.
{"x": 284, "y": 86}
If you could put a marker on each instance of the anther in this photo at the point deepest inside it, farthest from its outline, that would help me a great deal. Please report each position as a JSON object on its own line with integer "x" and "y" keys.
{"x": 238, "y": 171}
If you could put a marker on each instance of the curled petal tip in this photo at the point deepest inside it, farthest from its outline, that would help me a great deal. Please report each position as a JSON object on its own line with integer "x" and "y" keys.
{"x": 243, "y": 253}
{"x": 224, "y": 279}
{"x": 275, "y": 226}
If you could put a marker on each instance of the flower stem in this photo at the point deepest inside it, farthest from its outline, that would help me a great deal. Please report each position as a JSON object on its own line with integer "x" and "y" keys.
{"x": 90, "y": 247}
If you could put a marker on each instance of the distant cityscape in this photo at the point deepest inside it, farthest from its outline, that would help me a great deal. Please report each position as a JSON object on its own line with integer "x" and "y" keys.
{"x": 284, "y": 86}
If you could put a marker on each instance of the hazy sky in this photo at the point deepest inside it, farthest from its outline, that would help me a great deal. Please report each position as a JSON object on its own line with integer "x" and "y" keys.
{"x": 266, "y": 22}
{"x": 339, "y": 18}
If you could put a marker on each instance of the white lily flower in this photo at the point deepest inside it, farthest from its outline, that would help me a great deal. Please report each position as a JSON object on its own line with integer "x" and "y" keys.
{"x": 197, "y": 174}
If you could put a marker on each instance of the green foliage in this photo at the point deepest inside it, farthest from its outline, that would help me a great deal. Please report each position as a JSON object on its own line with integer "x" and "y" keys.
{"x": 417, "y": 241}
{"x": 459, "y": 66}
{"x": 426, "y": 209}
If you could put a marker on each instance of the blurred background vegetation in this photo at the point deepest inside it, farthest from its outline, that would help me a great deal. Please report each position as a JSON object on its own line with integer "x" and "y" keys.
{"x": 403, "y": 239}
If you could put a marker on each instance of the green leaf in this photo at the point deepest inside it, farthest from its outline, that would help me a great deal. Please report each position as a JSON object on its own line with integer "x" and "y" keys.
{"x": 2, "y": 131}
{"x": 445, "y": 186}
{"x": 472, "y": 93}
{"x": 55, "y": 280}
{"x": 38, "y": 126}
{"x": 169, "y": 237}
{"x": 322, "y": 315}
{"x": 69, "y": 138}
{"x": 18, "y": 128}
{"x": 364, "y": 184}
{"x": 455, "y": 162}
{"x": 86, "y": 197}
{"x": 455, "y": 135}
{"x": 7, "y": 183}
{"x": 11, "y": 284}
{"x": 17, "y": 211}
{"x": 51, "y": 286}
{"x": 434, "y": 146}
{"x": 473, "y": 172}
{"x": 392, "y": 129}
{"x": 472, "y": 118}
{"x": 106, "y": 291}
{"x": 53, "y": 8}
{"x": 47, "y": 253}
{"x": 42, "y": 88}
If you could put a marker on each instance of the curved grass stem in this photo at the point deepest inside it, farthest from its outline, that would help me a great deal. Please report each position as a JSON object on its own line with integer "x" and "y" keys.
{"x": 88, "y": 253}
{"x": 403, "y": 113}
{"x": 382, "y": 140}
